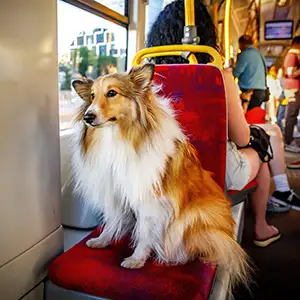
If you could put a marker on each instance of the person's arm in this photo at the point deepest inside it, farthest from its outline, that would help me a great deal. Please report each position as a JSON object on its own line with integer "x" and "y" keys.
{"x": 240, "y": 66}
{"x": 238, "y": 129}
{"x": 290, "y": 65}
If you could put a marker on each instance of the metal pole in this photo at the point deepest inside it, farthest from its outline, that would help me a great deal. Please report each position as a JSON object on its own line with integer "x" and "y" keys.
{"x": 189, "y": 13}
{"x": 227, "y": 33}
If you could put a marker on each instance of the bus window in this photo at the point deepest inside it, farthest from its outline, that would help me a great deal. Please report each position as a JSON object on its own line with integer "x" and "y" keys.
{"x": 88, "y": 46}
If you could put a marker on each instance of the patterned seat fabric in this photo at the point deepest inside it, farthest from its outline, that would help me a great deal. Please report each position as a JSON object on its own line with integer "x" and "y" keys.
{"x": 198, "y": 95}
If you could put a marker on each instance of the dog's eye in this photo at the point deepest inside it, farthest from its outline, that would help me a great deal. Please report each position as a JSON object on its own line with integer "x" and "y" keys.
{"x": 92, "y": 95}
{"x": 111, "y": 93}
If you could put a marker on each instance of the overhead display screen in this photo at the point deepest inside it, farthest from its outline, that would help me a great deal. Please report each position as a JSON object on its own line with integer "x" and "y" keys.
{"x": 278, "y": 30}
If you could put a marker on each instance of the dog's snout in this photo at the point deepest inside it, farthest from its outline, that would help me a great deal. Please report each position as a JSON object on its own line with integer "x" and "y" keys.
{"x": 89, "y": 117}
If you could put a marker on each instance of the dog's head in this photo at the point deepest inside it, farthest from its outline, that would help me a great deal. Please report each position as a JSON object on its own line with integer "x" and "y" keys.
{"x": 116, "y": 98}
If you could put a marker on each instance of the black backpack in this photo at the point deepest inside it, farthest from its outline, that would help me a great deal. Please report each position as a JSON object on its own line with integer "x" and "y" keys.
{"x": 260, "y": 142}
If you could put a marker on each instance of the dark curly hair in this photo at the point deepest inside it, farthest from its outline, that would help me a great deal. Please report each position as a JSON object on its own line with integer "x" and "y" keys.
{"x": 168, "y": 30}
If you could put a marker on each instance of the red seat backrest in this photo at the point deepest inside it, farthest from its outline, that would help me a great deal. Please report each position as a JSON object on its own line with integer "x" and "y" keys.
{"x": 198, "y": 94}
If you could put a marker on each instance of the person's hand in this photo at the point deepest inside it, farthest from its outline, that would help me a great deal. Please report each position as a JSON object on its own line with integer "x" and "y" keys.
{"x": 247, "y": 95}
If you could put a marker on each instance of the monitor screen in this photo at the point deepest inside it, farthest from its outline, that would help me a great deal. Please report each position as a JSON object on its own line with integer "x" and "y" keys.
{"x": 279, "y": 30}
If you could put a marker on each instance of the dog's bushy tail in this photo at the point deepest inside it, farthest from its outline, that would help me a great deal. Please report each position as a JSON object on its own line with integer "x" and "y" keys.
{"x": 220, "y": 248}
{"x": 211, "y": 245}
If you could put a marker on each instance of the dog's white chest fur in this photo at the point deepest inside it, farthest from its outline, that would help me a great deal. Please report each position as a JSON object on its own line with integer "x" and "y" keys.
{"x": 113, "y": 169}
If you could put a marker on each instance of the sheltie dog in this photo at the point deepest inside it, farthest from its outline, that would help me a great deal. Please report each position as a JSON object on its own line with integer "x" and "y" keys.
{"x": 134, "y": 162}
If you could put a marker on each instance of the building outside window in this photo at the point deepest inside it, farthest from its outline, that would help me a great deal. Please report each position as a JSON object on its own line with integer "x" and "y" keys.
{"x": 100, "y": 38}
{"x": 86, "y": 49}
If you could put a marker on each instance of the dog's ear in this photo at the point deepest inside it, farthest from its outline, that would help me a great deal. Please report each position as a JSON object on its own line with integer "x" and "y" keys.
{"x": 83, "y": 89}
{"x": 142, "y": 76}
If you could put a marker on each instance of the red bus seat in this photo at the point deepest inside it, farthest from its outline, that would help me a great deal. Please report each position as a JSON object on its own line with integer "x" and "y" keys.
{"x": 249, "y": 186}
{"x": 198, "y": 94}
{"x": 239, "y": 196}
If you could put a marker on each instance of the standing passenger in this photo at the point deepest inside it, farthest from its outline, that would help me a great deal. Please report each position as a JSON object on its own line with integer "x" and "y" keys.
{"x": 283, "y": 102}
{"x": 275, "y": 92}
{"x": 251, "y": 71}
{"x": 291, "y": 72}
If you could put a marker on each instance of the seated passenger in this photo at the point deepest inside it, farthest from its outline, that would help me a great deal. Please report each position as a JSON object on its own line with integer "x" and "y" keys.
{"x": 245, "y": 164}
{"x": 168, "y": 30}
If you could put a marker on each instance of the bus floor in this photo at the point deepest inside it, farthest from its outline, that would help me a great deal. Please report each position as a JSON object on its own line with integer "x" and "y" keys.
{"x": 277, "y": 266}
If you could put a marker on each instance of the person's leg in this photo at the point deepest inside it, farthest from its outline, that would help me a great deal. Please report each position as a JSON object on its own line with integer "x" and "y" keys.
{"x": 259, "y": 198}
{"x": 292, "y": 114}
{"x": 283, "y": 195}
{"x": 280, "y": 116}
{"x": 272, "y": 109}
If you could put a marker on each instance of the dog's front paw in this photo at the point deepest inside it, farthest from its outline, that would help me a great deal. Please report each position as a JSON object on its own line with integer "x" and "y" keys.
{"x": 132, "y": 263}
{"x": 97, "y": 243}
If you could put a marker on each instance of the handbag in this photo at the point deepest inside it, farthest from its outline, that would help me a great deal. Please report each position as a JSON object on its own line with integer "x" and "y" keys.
{"x": 260, "y": 142}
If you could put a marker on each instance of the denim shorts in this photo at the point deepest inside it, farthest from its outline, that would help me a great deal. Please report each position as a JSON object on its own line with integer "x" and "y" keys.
{"x": 238, "y": 168}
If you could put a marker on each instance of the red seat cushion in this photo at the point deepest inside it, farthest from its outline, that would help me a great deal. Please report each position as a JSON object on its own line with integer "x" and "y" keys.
{"x": 98, "y": 272}
{"x": 198, "y": 95}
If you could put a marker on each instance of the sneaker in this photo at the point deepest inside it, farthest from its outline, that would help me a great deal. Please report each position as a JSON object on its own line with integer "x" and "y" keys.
{"x": 293, "y": 147}
{"x": 296, "y": 135}
{"x": 294, "y": 165}
{"x": 289, "y": 199}
{"x": 276, "y": 208}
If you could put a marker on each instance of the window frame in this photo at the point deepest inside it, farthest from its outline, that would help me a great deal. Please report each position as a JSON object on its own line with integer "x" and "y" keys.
{"x": 102, "y": 11}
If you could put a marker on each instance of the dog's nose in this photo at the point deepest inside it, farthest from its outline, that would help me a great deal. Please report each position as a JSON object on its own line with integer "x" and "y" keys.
{"x": 89, "y": 117}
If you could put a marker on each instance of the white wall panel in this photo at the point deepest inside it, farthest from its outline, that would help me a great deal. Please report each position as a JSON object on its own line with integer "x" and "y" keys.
{"x": 29, "y": 127}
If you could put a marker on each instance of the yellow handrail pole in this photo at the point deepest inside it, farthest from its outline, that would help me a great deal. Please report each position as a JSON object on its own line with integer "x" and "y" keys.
{"x": 227, "y": 33}
{"x": 216, "y": 17}
{"x": 189, "y": 12}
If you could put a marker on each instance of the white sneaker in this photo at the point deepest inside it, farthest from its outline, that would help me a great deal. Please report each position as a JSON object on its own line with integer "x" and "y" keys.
{"x": 293, "y": 147}
{"x": 296, "y": 135}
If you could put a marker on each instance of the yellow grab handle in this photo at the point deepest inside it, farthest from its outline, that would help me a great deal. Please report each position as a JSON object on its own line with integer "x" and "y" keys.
{"x": 191, "y": 58}
{"x": 177, "y": 50}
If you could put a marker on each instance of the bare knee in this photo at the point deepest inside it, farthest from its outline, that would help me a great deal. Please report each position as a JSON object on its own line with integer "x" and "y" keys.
{"x": 254, "y": 160}
{"x": 272, "y": 130}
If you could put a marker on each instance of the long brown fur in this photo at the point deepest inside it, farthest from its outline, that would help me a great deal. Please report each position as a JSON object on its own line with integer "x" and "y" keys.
{"x": 203, "y": 214}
